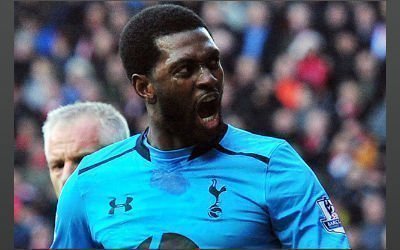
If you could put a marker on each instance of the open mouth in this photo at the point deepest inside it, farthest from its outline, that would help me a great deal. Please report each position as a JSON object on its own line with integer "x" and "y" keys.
{"x": 208, "y": 109}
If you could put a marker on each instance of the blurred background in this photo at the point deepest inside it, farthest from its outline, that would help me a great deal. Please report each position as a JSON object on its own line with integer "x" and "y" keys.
{"x": 313, "y": 73}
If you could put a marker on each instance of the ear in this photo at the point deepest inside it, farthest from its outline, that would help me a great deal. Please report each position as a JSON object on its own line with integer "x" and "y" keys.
{"x": 144, "y": 88}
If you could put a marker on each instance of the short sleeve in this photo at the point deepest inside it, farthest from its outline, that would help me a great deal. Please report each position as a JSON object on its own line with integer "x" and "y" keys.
{"x": 71, "y": 227}
{"x": 301, "y": 213}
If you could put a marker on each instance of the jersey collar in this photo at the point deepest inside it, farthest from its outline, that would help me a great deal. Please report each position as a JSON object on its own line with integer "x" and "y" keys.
{"x": 197, "y": 151}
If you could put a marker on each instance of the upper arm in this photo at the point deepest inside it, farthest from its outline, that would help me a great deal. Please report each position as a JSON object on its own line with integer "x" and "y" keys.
{"x": 295, "y": 202}
{"x": 71, "y": 226}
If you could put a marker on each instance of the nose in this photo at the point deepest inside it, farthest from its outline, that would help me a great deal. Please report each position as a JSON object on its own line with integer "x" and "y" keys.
{"x": 69, "y": 168}
{"x": 206, "y": 78}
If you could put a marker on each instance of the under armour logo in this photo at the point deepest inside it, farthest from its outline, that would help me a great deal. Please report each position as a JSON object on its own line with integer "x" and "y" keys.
{"x": 215, "y": 210}
{"x": 126, "y": 205}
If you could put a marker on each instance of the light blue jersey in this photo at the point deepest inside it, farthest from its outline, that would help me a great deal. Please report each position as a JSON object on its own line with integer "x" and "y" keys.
{"x": 239, "y": 191}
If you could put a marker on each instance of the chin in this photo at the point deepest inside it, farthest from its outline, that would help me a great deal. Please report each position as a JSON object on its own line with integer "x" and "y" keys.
{"x": 207, "y": 127}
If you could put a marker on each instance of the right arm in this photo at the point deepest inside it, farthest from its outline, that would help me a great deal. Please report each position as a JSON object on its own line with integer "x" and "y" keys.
{"x": 71, "y": 225}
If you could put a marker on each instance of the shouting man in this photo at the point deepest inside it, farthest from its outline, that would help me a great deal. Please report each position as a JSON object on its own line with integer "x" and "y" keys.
{"x": 190, "y": 180}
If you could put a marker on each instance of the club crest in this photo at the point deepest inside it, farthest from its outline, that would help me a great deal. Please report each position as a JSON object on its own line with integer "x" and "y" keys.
{"x": 215, "y": 210}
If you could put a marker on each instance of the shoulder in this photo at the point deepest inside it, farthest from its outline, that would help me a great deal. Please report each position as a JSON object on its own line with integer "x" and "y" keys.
{"x": 107, "y": 154}
{"x": 71, "y": 224}
{"x": 70, "y": 196}
{"x": 240, "y": 140}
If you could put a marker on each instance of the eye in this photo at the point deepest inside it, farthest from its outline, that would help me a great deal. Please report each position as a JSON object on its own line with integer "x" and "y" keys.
{"x": 185, "y": 70}
{"x": 78, "y": 159}
{"x": 57, "y": 166}
{"x": 214, "y": 63}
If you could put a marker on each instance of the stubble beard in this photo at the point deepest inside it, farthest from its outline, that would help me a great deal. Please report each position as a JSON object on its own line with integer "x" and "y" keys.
{"x": 180, "y": 119}
{"x": 174, "y": 116}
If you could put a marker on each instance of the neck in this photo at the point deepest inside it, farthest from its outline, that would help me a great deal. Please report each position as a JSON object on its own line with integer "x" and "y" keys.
{"x": 166, "y": 139}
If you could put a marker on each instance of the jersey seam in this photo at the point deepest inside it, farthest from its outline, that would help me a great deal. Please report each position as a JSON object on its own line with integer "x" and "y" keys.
{"x": 85, "y": 211}
{"x": 85, "y": 169}
{"x": 221, "y": 149}
{"x": 267, "y": 174}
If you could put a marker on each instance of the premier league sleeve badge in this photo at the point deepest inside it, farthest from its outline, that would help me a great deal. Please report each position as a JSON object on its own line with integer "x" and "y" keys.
{"x": 331, "y": 221}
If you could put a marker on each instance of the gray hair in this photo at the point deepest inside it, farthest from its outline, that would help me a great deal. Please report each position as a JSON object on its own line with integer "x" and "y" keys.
{"x": 113, "y": 126}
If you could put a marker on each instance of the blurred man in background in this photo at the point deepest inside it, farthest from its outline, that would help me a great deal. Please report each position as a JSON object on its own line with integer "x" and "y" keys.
{"x": 73, "y": 131}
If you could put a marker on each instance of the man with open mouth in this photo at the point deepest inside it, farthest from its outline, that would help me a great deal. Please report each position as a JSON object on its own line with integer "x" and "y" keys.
{"x": 190, "y": 181}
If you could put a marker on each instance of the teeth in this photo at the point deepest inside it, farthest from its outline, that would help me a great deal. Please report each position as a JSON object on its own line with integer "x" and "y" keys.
{"x": 209, "y": 99}
{"x": 210, "y": 118}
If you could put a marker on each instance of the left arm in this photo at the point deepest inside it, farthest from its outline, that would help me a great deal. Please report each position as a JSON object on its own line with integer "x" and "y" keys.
{"x": 301, "y": 213}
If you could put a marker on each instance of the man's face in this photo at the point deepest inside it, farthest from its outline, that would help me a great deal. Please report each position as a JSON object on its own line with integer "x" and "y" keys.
{"x": 67, "y": 144}
{"x": 188, "y": 81}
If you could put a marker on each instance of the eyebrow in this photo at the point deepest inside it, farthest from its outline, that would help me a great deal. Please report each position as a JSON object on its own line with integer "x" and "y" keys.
{"x": 181, "y": 61}
{"x": 81, "y": 155}
{"x": 211, "y": 52}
